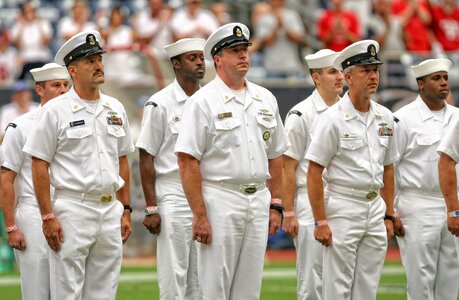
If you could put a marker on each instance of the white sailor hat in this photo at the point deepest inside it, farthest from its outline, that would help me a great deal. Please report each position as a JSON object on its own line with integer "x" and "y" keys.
{"x": 185, "y": 45}
{"x": 226, "y": 36}
{"x": 321, "y": 59}
{"x": 357, "y": 54}
{"x": 51, "y": 71}
{"x": 430, "y": 66}
{"x": 82, "y": 44}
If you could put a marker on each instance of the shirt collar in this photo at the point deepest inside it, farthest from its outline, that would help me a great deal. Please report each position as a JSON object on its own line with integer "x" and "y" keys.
{"x": 179, "y": 93}
{"x": 228, "y": 95}
{"x": 318, "y": 101}
{"x": 77, "y": 104}
{"x": 350, "y": 112}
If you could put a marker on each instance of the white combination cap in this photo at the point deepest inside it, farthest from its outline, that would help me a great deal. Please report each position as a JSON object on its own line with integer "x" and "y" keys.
{"x": 185, "y": 45}
{"x": 358, "y": 54}
{"x": 51, "y": 71}
{"x": 226, "y": 36}
{"x": 430, "y": 66}
{"x": 82, "y": 44}
{"x": 321, "y": 59}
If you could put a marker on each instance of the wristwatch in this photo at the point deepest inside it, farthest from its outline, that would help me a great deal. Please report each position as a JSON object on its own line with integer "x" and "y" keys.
{"x": 278, "y": 207}
{"x": 127, "y": 207}
{"x": 151, "y": 210}
{"x": 389, "y": 217}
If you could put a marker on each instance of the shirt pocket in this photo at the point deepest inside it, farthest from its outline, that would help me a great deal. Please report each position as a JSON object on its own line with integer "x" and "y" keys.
{"x": 226, "y": 133}
{"x": 78, "y": 140}
{"x": 351, "y": 144}
{"x": 384, "y": 141}
{"x": 267, "y": 128}
{"x": 428, "y": 144}
{"x": 115, "y": 132}
{"x": 427, "y": 140}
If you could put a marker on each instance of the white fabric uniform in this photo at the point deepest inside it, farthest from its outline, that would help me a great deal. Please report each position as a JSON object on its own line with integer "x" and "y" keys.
{"x": 427, "y": 249}
{"x": 83, "y": 151}
{"x": 450, "y": 146}
{"x": 33, "y": 262}
{"x": 30, "y": 35}
{"x": 233, "y": 142}
{"x": 176, "y": 251}
{"x": 299, "y": 126}
{"x": 354, "y": 154}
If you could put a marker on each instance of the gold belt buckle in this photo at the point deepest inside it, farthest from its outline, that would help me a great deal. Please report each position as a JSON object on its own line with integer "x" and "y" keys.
{"x": 105, "y": 198}
{"x": 371, "y": 195}
{"x": 250, "y": 189}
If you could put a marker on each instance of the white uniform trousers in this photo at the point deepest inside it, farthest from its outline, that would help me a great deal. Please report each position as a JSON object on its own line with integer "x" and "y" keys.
{"x": 428, "y": 251}
{"x": 352, "y": 265}
{"x": 33, "y": 261}
{"x": 88, "y": 265}
{"x": 231, "y": 267}
{"x": 176, "y": 251}
{"x": 309, "y": 252}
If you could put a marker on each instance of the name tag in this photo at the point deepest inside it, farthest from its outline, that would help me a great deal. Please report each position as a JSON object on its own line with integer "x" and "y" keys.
{"x": 76, "y": 123}
{"x": 225, "y": 115}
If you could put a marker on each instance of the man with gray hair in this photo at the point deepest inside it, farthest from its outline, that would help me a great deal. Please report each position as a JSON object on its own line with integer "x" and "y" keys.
{"x": 354, "y": 142}
{"x": 298, "y": 219}
{"x": 23, "y": 222}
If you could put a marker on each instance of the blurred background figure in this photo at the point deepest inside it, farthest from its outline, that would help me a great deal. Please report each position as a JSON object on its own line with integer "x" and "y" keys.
{"x": 10, "y": 61}
{"x": 78, "y": 20}
{"x": 31, "y": 36}
{"x": 337, "y": 27}
{"x": 192, "y": 21}
{"x": 21, "y": 102}
{"x": 220, "y": 10}
{"x": 281, "y": 31}
{"x": 445, "y": 24}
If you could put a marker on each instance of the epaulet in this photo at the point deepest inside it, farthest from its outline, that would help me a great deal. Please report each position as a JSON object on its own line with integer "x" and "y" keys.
{"x": 149, "y": 102}
{"x": 10, "y": 125}
{"x": 396, "y": 120}
{"x": 299, "y": 114}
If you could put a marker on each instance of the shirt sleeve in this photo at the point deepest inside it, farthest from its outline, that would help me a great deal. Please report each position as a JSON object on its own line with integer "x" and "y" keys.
{"x": 297, "y": 133}
{"x": 14, "y": 140}
{"x": 194, "y": 129}
{"x": 125, "y": 143}
{"x": 152, "y": 129}
{"x": 392, "y": 151}
{"x": 450, "y": 143}
{"x": 324, "y": 142}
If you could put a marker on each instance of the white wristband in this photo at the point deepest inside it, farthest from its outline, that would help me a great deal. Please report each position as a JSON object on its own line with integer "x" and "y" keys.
{"x": 453, "y": 214}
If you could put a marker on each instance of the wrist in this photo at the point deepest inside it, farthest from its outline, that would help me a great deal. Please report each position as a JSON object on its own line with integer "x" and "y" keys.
{"x": 151, "y": 210}
{"x": 127, "y": 207}
{"x": 288, "y": 214}
{"x": 276, "y": 201}
{"x": 453, "y": 214}
{"x": 11, "y": 228}
{"x": 277, "y": 207}
{"x": 48, "y": 216}
{"x": 390, "y": 218}
{"x": 320, "y": 223}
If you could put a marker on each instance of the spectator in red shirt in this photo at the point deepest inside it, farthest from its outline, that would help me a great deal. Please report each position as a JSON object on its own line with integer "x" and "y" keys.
{"x": 337, "y": 27}
{"x": 416, "y": 19}
{"x": 445, "y": 24}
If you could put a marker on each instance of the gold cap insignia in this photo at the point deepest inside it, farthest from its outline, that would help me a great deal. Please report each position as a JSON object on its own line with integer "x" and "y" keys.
{"x": 91, "y": 39}
{"x": 372, "y": 50}
{"x": 238, "y": 31}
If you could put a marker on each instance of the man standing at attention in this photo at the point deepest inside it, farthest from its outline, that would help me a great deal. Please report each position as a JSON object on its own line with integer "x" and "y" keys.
{"x": 355, "y": 143}
{"x": 79, "y": 146}
{"x": 298, "y": 219}
{"x": 168, "y": 214}
{"x": 427, "y": 248}
{"x": 23, "y": 223}
{"x": 230, "y": 148}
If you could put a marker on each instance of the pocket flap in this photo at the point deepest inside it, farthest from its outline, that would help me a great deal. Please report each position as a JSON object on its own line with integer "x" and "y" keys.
{"x": 351, "y": 144}
{"x": 78, "y": 132}
{"x": 227, "y": 124}
{"x": 267, "y": 122}
{"x": 116, "y": 131}
{"x": 427, "y": 140}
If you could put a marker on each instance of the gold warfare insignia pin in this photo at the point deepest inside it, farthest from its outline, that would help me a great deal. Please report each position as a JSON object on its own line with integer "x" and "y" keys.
{"x": 372, "y": 50}
{"x": 225, "y": 115}
{"x": 91, "y": 39}
{"x": 266, "y": 135}
{"x": 237, "y": 31}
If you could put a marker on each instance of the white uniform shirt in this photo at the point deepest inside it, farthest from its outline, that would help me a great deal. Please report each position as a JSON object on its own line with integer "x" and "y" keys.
{"x": 419, "y": 133}
{"x": 160, "y": 127}
{"x": 450, "y": 142}
{"x": 82, "y": 148}
{"x": 353, "y": 153}
{"x": 232, "y": 140}
{"x": 13, "y": 157}
{"x": 299, "y": 126}
{"x": 30, "y": 36}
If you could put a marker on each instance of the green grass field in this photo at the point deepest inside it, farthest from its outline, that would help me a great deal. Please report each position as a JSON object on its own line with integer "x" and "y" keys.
{"x": 279, "y": 283}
